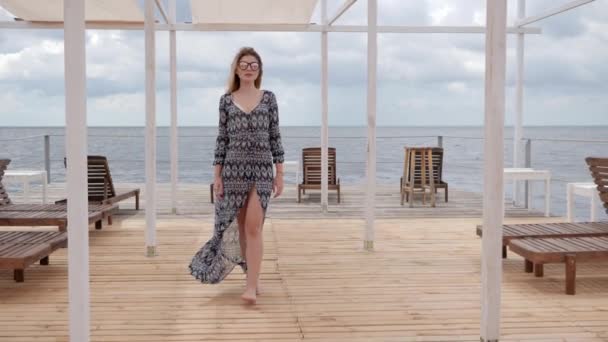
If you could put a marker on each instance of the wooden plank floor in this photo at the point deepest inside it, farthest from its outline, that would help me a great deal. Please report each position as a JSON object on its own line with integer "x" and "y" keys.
{"x": 194, "y": 199}
{"x": 420, "y": 284}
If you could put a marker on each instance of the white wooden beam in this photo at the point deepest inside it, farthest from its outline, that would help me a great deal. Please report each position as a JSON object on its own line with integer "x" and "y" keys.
{"x": 162, "y": 11}
{"x": 174, "y": 133}
{"x": 493, "y": 188}
{"x": 345, "y": 6}
{"x": 372, "y": 66}
{"x": 26, "y": 25}
{"x": 76, "y": 154}
{"x": 150, "y": 139}
{"x": 519, "y": 102}
{"x": 445, "y": 29}
{"x": 324, "y": 108}
{"x": 341, "y": 28}
{"x": 271, "y": 28}
{"x": 552, "y": 12}
{"x": 245, "y": 27}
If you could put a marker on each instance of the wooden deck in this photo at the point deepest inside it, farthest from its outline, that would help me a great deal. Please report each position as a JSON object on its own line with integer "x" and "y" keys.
{"x": 420, "y": 284}
{"x": 193, "y": 199}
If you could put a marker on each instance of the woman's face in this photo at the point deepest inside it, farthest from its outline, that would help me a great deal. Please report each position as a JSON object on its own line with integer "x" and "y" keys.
{"x": 248, "y": 68}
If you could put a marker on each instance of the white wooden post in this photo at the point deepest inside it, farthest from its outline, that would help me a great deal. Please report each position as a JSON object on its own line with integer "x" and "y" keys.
{"x": 324, "y": 106}
{"x": 76, "y": 154}
{"x": 174, "y": 133}
{"x": 493, "y": 188}
{"x": 519, "y": 101}
{"x": 47, "y": 157}
{"x": 150, "y": 129}
{"x": 372, "y": 56}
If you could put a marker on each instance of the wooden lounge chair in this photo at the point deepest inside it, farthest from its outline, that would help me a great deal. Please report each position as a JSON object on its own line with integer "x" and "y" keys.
{"x": 311, "y": 171}
{"x": 101, "y": 187}
{"x": 563, "y": 242}
{"x": 18, "y": 250}
{"x": 412, "y": 168}
{"x": 599, "y": 171}
{"x": 512, "y": 232}
{"x": 43, "y": 214}
{"x": 538, "y": 252}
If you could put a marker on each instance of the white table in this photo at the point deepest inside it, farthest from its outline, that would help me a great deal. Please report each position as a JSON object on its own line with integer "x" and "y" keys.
{"x": 25, "y": 177}
{"x": 529, "y": 174}
{"x": 582, "y": 189}
{"x": 292, "y": 166}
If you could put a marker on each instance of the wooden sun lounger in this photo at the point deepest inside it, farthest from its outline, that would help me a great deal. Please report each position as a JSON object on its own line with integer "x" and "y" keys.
{"x": 101, "y": 187}
{"x": 44, "y": 214}
{"x": 49, "y": 215}
{"x": 544, "y": 243}
{"x": 540, "y": 251}
{"x": 549, "y": 230}
{"x": 18, "y": 250}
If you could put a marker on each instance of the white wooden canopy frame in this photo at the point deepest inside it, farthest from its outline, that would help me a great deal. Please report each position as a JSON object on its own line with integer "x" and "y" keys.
{"x": 266, "y": 15}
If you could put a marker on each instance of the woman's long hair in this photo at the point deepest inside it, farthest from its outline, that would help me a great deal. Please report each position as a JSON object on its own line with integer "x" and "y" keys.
{"x": 234, "y": 82}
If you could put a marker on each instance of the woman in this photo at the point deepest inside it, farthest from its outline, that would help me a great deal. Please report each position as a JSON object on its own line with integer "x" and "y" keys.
{"x": 247, "y": 146}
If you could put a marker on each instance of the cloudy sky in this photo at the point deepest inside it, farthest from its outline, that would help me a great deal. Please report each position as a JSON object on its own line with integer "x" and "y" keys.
{"x": 424, "y": 79}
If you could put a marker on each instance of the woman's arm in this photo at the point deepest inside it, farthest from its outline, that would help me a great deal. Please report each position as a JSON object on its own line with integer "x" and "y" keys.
{"x": 221, "y": 143}
{"x": 276, "y": 145}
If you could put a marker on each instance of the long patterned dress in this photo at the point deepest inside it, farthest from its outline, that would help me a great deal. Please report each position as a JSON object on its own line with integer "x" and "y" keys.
{"x": 247, "y": 145}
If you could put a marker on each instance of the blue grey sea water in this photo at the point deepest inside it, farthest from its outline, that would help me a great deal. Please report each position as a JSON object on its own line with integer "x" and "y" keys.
{"x": 561, "y": 150}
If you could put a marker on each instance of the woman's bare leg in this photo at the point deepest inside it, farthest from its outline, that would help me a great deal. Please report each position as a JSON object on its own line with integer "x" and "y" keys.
{"x": 243, "y": 237}
{"x": 254, "y": 250}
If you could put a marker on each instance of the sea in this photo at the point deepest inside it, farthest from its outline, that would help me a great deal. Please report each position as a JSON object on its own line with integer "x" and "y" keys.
{"x": 562, "y": 150}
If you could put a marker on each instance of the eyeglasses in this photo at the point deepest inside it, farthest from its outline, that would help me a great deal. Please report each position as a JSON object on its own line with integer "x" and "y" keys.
{"x": 253, "y": 65}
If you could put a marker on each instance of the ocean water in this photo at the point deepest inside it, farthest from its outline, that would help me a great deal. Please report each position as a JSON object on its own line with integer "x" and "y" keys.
{"x": 562, "y": 150}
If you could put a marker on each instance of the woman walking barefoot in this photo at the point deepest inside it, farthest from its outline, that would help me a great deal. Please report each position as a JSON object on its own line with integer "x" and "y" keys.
{"x": 247, "y": 146}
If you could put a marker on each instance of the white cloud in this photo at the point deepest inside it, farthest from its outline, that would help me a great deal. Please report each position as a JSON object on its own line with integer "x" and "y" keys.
{"x": 479, "y": 18}
{"x": 457, "y": 87}
{"x": 125, "y": 108}
{"x": 10, "y": 102}
{"x": 440, "y": 14}
{"x": 40, "y": 61}
{"x": 475, "y": 66}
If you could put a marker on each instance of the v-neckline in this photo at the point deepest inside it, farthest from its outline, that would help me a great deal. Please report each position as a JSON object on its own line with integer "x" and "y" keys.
{"x": 236, "y": 104}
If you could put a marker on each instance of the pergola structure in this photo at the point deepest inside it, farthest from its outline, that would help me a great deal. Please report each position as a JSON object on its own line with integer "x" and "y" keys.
{"x": 266, "y": 15}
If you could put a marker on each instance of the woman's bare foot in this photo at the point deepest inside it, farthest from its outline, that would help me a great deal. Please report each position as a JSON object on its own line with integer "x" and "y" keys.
{"x": 258, "y": 289}
{"x": 249, "y": 296}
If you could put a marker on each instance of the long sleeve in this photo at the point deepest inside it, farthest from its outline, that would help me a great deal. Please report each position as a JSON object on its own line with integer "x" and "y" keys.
{"x": 221, "y": 143}
{"x": 276, "y": 145}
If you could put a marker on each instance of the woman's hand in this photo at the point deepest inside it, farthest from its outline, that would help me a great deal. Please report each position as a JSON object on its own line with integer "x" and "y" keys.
{"x": 277, "y": 185}
{"x": 218, "y": 188}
